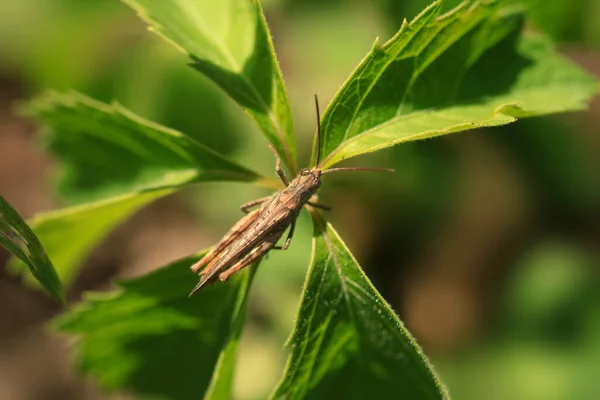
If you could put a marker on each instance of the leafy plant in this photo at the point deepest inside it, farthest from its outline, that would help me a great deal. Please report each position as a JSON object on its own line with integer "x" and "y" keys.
{"x": 469, "y": 68}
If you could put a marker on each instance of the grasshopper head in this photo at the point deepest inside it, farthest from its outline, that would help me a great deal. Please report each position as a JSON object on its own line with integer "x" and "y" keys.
{"x": 309, "y": 180}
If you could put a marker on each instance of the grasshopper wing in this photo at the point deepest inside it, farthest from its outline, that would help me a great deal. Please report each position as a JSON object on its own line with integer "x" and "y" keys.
{"x": 234, "y": 233}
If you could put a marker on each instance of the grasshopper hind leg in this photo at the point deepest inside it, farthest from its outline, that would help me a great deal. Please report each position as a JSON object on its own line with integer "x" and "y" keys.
{"x": 254, "y": 255}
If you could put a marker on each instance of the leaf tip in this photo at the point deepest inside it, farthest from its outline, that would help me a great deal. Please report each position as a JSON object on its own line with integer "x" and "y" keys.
{"x": 377, "y": 43}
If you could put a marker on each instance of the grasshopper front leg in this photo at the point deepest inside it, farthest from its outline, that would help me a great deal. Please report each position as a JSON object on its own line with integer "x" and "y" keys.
{"x": 278, "y": 168}
{"x": 288, "y": 240}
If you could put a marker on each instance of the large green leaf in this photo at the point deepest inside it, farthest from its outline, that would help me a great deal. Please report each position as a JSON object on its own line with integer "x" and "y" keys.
{"x": 465, "y": 69}
{"x": 19, "y": 239}
{"x": 107, "y": 151}
{"x": 121, "y": 161}
{"x": 68, "y": 235}
{"x": 348, "y": 343}
{"x": 229, "y": 42}
{"x": 149, "y": 337}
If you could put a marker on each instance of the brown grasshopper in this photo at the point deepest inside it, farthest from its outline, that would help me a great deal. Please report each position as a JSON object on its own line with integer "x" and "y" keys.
{"x": 258, "y": 232}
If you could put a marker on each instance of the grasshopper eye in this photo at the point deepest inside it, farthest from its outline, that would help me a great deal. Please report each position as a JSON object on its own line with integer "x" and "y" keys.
{"x": 304, "y": 171}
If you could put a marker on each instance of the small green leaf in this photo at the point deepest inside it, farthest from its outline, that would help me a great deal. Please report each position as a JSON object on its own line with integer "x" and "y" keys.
{"x": 18, "y": 238}
{"x": 230, "y": 43}
{"x": 68, "y": 235}
{"x": 348, "y": 342}
{"x": 462, "y": 70}
{"x": 107, "y": 150}
{"x": 149, "y": 337}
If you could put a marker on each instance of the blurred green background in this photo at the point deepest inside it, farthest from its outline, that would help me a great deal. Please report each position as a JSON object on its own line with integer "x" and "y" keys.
{"x": 486, "y": 242}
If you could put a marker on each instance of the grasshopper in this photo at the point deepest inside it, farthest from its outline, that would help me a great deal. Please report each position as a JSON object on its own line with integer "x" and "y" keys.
{"x": 260, "y": 230}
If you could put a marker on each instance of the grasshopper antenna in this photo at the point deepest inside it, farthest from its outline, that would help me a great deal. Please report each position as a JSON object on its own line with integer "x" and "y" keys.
{"x": 318, "y": 160}
{"x": 357, "y": 169}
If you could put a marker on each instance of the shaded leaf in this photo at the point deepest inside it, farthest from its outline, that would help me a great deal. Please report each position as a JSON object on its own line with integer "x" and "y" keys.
{"x": 68, "y": 235}
{"x": 148, "y": 336}
{"x": 348, "y": 343}
{"x": 18, "y": 238}
{"x": 229, "y": 42}
{"x": 462, "y": 70}
{"x": 107, "y": 150}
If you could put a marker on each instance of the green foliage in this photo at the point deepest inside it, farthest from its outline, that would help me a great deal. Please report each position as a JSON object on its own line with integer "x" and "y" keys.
{"x": 440, "y": 74}
{"x": 230, "y": 43}
{"x": 148, "y": 337}
{"x": 114, "y": 162}
{"x": 222, "y": 381}
{"x": 108, "y": 151}
{"x": 348, "y": 342}
{"x": 69, "y": 234}
{"x": 18, "y": 238}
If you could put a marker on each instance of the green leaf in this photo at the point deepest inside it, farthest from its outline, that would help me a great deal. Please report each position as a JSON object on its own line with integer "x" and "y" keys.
{"x": 148, "y": 336}
{"x": 68, "y": 235}
{"x": 230, "y": 43}
{"x": 348, "y": 342}
{"x": 221, "y": 385}
{"x": 107, "y": 150}
{"x": 466, "y": 69}
{"x": 18, "y": 238}
{"x": 109, "y": 153}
